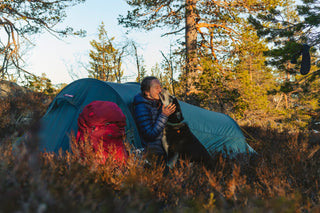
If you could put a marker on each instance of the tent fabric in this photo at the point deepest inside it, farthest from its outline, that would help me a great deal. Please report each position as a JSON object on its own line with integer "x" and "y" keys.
{"x": 60, "y": 119}
{"x": 103, "y": 121}
{"x": 216, "y": 131}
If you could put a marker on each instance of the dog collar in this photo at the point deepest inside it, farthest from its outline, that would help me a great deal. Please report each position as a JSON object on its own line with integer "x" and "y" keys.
{"x": 175, "y": 124}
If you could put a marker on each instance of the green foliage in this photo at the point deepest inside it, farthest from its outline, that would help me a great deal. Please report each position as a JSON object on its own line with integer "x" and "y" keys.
{"x": 210, "y": 28}
{"x": 239, "y": 84}
{"x": 212, "y": 17}
{"x": 40, "y": 84}
{"x": 239, "y": 72}
{"x": 287, "y": 28}
{"x": 214, "y": 89}
{"x": 106, "y": 60}
{"x": 147, "y": 14}
{"x": 253, "y": 78}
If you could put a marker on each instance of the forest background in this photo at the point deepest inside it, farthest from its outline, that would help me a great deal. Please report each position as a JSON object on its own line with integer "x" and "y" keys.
{"x": 241, "y": 58}
{"x": 231, "y": 57}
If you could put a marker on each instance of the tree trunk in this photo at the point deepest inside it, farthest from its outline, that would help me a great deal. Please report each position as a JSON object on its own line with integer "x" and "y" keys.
{"x": 250, "y": 68}
{"x": 286, "y": 100}
{"x": 191, "y": 45}
{"x": 137, "y": 61}
{"x": 103, "y": 67}
{"x": 169, "y": 62}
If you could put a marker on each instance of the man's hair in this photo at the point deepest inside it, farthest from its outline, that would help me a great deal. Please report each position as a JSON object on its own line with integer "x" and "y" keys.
{"x": 146, "y": 83}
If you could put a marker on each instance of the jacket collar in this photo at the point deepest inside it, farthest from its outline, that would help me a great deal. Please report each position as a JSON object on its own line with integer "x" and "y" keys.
{"x": 139, "y": 98}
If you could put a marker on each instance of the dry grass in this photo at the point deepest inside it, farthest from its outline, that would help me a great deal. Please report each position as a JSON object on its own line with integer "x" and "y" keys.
{"x": 283, "y": 178}
{"x": 18, "y": 110}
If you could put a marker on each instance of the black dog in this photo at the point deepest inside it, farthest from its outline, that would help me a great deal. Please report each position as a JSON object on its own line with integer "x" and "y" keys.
{"x": 178, "y": 138}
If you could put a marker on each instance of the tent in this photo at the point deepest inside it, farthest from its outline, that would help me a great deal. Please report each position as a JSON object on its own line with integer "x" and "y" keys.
{"x": 216, "y": 131}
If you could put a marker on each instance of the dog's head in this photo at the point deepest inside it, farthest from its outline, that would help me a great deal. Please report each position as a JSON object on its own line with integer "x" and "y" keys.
{"x": 166, "y": 99}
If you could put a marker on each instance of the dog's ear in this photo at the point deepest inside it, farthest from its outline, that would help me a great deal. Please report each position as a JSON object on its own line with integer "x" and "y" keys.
{"x": 175, "y": 101}
{"x": 178, "y": 110}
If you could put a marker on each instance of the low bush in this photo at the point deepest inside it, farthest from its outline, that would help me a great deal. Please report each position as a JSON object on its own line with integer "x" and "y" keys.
{"x": 283, "y": 178}
{"x": 19, "y": 110}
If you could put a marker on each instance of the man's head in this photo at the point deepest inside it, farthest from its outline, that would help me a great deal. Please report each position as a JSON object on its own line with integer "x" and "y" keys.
{"x": 151, "y": 87}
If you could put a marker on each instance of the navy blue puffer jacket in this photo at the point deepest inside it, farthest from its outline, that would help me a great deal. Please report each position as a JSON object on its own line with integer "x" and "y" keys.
{"x": 150, "y": 122}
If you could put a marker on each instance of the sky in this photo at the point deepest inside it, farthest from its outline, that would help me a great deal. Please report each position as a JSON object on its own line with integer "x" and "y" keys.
{"x": 63, "y": 61}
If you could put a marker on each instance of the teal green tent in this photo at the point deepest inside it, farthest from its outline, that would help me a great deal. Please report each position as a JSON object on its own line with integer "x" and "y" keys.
{"x": 216, "y": 131}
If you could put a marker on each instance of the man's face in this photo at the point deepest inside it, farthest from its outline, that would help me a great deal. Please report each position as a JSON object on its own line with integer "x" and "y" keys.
{"x": 155, "y": 89}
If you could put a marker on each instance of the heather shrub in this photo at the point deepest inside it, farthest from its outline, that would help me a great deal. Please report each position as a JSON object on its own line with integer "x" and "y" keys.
{"x": 283, "y": 177}
{"x": 19, "y": 110}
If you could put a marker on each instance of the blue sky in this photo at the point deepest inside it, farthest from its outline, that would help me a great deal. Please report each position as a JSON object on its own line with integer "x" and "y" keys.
{"x": 57, "y": 58}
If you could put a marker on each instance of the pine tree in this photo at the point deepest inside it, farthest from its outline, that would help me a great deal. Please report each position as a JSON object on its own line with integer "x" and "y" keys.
{"x": 106, "y": 60}
{"x": 298, "y": 95}
{"x": 252, "y": 78}
{"x": 41, "y": 84}
{"x": 239, "y": 84}
{"x": 208, "y": 26}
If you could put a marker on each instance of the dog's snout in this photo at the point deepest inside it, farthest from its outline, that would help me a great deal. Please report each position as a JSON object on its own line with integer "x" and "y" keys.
{"x": 165, "y": 97}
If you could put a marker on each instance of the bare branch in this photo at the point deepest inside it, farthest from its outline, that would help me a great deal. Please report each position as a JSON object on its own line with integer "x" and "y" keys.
{"x": 22, "y": 18}
{"x": 174, "y": 32}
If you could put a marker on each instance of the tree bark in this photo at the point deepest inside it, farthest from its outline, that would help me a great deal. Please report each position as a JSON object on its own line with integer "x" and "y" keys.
{"x": 191, "y": 45}
{"x": 137, "y": 61}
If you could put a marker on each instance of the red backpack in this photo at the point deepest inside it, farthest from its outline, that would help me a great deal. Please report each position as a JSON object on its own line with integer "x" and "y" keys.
{"x": 103, "y": 121}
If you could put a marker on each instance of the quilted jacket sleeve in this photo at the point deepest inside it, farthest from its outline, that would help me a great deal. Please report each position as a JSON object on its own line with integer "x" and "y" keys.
{"x": 150, "y": 127}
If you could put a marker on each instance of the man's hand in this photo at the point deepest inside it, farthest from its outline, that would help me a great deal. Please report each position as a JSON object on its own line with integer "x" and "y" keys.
{"x": 168, "y": 110}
